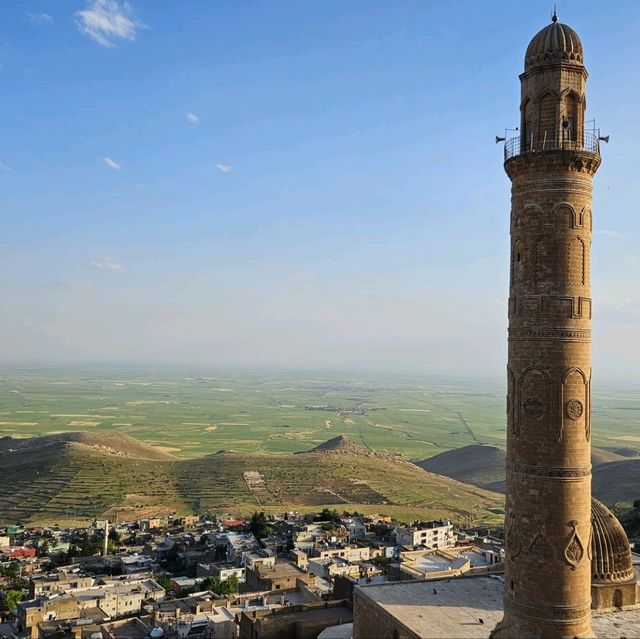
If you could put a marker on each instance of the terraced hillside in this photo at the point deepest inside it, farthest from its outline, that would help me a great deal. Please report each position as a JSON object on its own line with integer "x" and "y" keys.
{"x": 79, "y": 476}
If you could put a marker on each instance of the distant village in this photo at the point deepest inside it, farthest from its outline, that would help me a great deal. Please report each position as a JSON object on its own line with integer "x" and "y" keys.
{"x": 209, "y": 577}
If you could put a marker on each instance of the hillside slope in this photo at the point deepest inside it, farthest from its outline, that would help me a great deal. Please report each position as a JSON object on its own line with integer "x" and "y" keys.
{"x": 111, "y": 443}
{"x": 617, "y": 482}
{"x": 475, "y": 464}
{"x": 62, "y": 478}
{"x": 616, "y": 478}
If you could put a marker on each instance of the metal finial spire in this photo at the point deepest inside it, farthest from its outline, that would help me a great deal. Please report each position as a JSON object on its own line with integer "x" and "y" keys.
{"x": 554, "y": 17}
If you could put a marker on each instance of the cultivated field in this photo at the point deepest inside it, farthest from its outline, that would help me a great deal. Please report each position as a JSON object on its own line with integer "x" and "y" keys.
{"x": 189, "y": 415}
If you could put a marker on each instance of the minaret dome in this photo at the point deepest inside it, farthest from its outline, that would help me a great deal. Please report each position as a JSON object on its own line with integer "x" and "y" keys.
{"x": 555, "y": 43}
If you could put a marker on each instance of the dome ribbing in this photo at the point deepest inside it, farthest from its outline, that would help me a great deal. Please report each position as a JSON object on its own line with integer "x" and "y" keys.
{"x": 611, "y": 554}
{"x": 555, "y": 43}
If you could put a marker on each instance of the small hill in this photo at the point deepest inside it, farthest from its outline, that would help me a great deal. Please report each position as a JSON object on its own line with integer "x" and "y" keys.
{"x": 484, "y": 466}
{"x": 475, "y": 464}
{"x": 601, "y": 456}
{"x": 110, "y": 443}
{"x": 339, "y": 444}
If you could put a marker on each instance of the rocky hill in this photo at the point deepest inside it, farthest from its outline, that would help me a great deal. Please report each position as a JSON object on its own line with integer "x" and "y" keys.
{"x": 339, "y": 444}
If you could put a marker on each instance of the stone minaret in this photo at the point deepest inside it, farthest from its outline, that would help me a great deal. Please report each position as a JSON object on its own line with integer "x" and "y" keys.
{"x": 548, "y": 506}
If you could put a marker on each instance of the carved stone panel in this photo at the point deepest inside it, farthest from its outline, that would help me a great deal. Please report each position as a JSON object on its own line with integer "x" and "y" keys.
{"x": 514, "y": 543}
{"x": 541, "y": 548}
{"x": 533, "y": 394}
{"x": 574, "y": 392}
{"x": 574, "y": 551}
{"x": 574, "y": 409}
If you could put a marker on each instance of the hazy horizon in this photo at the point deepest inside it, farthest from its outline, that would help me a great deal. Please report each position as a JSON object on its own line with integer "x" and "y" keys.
{"x": 294, "y": 187}
{"x": 116, "y": 369}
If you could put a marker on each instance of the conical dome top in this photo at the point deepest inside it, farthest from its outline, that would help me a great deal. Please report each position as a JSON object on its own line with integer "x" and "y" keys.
{"x": 555, "y": 43}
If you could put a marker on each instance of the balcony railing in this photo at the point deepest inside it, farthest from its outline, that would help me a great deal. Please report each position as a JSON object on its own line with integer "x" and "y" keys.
{"x": 516, "y": 146}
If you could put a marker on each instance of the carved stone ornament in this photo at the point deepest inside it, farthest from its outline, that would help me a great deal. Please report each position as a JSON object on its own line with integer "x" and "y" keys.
{"x": 533, "y": 407}
{"x": 574, "y": 552}
{"x": 514, "y": 544}
{"x": 574, "y": 409}
{"x": 541, "y": 548}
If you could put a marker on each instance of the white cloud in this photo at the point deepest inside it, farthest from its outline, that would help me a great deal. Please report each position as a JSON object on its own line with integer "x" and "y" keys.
{"x": 225, "y": 168}
{"x": 193, "y": 118}
{"x": 107, "y": 20}
{"x": 112, "y": 164}
{"x": 108, "y": 264}
{"x": 40, "y": 19}
{"x": 4, "y": 167}
{"x": 614, "y": 234}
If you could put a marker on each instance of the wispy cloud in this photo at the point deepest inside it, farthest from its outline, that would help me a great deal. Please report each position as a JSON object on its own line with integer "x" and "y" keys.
{"x": 225, "y": 168}
{"x": 5, "y": 167}
{"x": 193, "y": 118}
{"x": 40, "y": 19}
{"x": 108, "y": 264}
{"x": 107, "y": 20}
{"x": 112, "y": 164}
{"x": 610, "y": 233}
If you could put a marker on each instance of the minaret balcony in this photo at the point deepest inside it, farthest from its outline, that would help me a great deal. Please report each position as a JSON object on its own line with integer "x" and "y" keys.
{"x": 515, "y": 147}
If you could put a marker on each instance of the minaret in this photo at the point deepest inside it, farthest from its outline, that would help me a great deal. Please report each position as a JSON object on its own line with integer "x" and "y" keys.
{"x": 548, "y": 505}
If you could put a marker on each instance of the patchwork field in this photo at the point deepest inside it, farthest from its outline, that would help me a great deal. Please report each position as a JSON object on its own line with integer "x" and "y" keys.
{"x": 191, "y": 415}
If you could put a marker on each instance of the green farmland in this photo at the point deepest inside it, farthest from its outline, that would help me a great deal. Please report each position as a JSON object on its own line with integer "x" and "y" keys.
{"x": 189, "y": 415}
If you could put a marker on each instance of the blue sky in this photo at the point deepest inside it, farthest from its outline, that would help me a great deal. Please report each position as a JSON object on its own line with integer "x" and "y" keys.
{"x": 289, "y": 184}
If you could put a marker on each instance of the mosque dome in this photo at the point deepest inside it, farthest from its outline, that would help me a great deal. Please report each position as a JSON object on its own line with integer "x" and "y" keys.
{"x": 555, "y": 43}
{"x": 611, "y": 555}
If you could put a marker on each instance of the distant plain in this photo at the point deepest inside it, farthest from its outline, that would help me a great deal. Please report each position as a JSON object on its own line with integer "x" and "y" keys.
{"x": 192, "y": 414}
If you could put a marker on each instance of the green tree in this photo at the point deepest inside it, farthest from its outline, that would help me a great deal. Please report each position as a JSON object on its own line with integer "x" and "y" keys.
{"x": 230, "y": 586}
{"x": 219, "y": 587}
{"x": 11, "y": 571}
{"x": 258, "y": 525}
{"x": 112, "y": 547}
{"x": 12, "y": 598}
{"x": 164, "y": 581}
{"x": 328, "y": 515}
{"x": 212, "y": 584}
{"x": 381, "y": 561}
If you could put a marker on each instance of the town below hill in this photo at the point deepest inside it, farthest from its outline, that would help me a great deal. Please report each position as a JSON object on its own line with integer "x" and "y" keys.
{"x": 210, "y": 577}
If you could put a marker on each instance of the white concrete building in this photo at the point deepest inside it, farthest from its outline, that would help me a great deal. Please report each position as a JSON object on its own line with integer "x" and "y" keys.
{"x": 432, "y": 534}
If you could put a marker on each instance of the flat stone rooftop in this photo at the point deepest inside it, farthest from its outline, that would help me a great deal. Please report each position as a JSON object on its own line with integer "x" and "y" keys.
{"x": 470, "y": 607}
